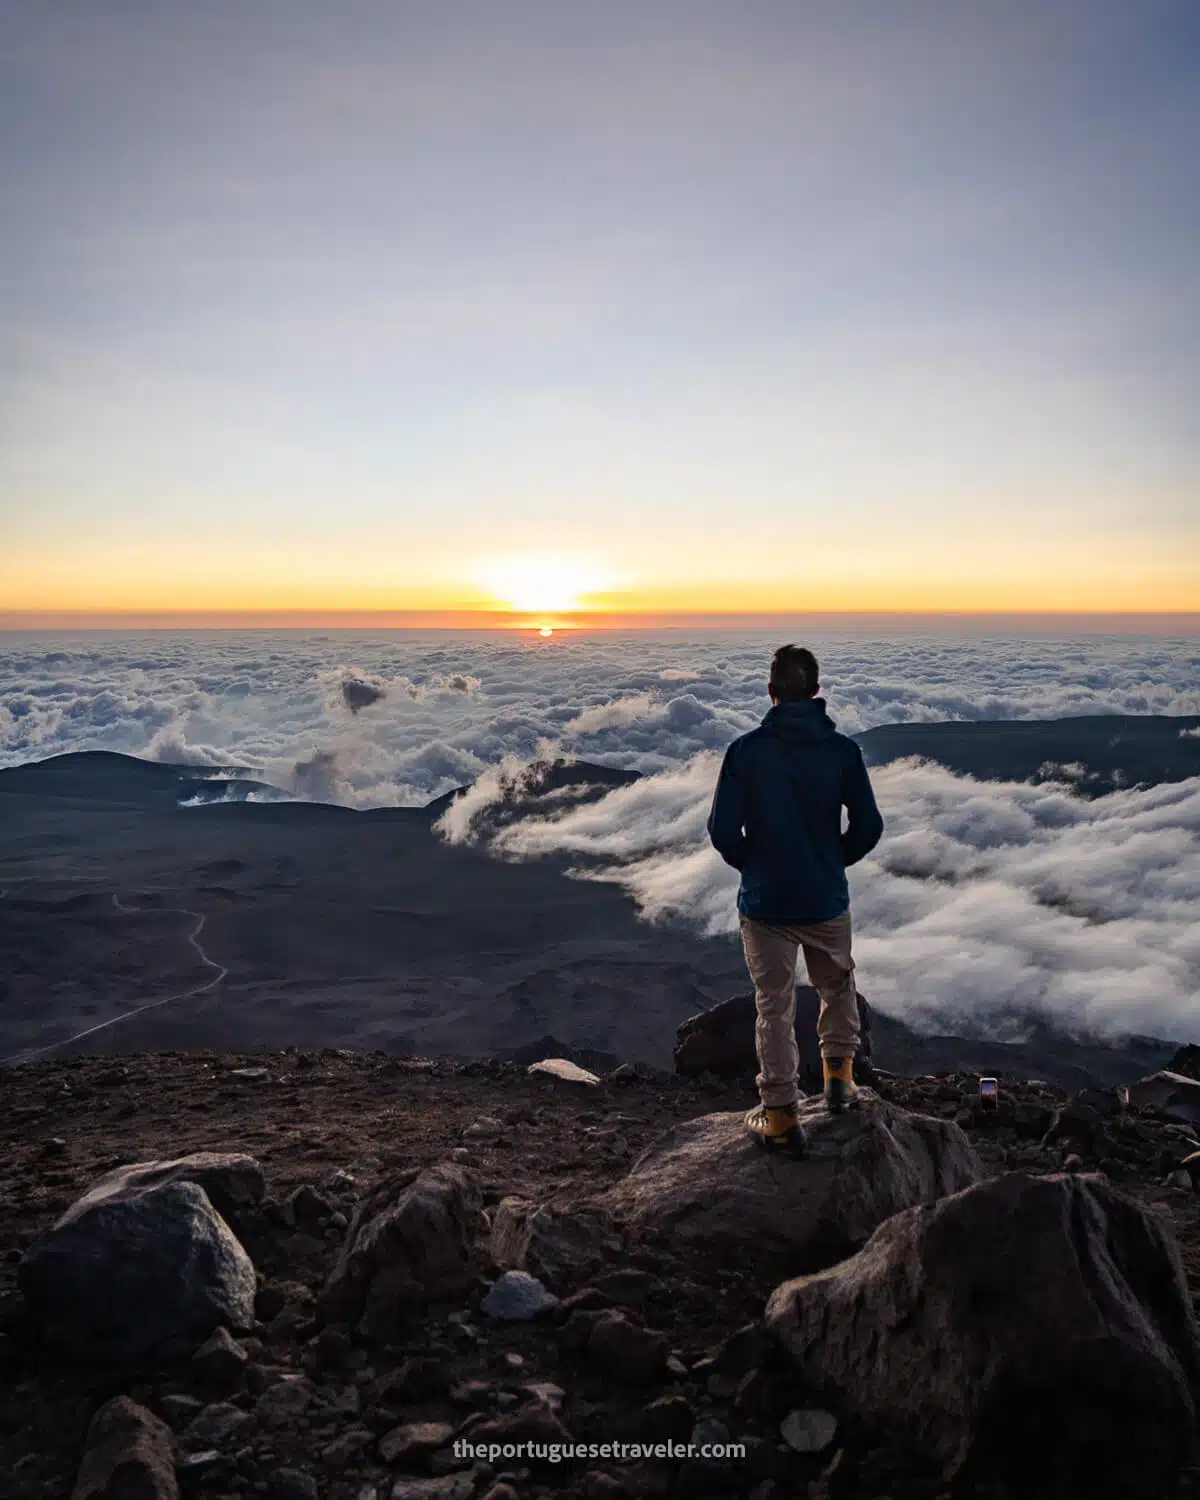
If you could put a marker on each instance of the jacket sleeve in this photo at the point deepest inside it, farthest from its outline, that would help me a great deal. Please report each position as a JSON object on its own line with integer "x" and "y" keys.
{"x": 865, "y": 824}
{"x": 728, "y": 812}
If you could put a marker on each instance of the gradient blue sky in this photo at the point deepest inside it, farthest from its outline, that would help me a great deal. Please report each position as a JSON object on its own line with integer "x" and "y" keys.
{"x": 680, "y": 305}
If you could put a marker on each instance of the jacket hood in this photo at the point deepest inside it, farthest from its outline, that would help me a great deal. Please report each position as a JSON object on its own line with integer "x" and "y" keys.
{"x": 802, "y": 720}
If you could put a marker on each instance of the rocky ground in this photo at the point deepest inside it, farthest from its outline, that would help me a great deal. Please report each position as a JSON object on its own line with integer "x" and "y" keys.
{"x": 304, "y": 1406}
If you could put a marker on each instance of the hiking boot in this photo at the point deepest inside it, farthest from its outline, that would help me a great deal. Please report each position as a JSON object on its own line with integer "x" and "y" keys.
{"x": 839, "y": 1083}
{"x": 776, "y": 1129}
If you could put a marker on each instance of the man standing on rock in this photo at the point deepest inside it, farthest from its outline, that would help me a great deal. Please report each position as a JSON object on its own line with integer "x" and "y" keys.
{"x": 777, "y": 818}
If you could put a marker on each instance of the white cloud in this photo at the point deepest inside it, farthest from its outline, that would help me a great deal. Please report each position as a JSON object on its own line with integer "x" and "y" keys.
{"x": 985, "y": 899}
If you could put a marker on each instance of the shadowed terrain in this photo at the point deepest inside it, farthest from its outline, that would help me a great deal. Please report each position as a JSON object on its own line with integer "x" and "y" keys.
{"x": 1095, "y": 754}
{"x": 336, "y": 927}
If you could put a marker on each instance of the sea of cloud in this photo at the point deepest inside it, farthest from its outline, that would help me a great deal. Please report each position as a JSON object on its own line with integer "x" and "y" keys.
{"x": 984, "y": 902}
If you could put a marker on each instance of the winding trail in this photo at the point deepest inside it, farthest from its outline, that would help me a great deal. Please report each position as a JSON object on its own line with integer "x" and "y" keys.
{"x": 193, "y": 938}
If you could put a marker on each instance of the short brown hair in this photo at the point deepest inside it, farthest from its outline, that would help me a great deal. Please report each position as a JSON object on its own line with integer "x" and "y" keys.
{"x": 794, "y": 674}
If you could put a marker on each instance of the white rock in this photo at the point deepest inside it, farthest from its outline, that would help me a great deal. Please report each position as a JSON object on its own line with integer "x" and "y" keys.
{"x": 808, "y": 1431}
{"x": 568, "y": 1072}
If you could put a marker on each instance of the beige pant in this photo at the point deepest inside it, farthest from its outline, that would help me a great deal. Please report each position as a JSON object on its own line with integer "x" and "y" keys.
{"x": 771, "y": 958}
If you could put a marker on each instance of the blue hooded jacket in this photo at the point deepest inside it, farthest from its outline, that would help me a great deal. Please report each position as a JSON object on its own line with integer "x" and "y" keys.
{"x": 777, "y": 814}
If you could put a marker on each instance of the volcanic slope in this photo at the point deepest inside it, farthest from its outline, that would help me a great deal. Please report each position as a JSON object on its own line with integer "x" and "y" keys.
{"x": 335, "y": 927}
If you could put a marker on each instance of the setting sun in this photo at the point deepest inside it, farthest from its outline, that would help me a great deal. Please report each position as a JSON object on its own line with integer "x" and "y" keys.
{"x": 540, "y": 583}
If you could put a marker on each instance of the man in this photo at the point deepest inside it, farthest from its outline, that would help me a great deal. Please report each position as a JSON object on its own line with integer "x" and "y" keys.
{"x": 777, "y": 817}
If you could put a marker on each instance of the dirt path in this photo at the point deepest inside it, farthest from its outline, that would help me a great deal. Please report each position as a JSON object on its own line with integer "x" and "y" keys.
{"x": 193, "y": 938}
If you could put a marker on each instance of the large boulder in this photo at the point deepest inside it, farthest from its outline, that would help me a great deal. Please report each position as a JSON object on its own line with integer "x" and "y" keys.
{"x": 560, "y": 1242}
{"x": 707, "y": 1183}
{"x": 1030, "y": 1332}
{"x": 137, "y": 1271}
{"x": 721, "y": 1039}
{"x": 129, "y": 1455}
{"x": 230, "y": 1180}
{"x": 410, "y": 1242}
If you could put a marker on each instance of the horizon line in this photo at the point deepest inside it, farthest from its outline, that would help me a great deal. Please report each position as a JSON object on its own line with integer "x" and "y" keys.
{"x": 574, "y": 621}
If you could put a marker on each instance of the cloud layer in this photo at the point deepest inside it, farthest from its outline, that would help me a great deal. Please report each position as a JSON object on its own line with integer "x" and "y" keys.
{"x": 455, "y": 703}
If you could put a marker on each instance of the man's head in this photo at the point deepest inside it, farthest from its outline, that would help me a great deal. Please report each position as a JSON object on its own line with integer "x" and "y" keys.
{"x": 794, "y": 675}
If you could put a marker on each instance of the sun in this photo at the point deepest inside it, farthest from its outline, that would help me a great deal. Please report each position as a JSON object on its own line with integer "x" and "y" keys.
{"x": 546, "y": 630}
{"x": 541, "y": 583}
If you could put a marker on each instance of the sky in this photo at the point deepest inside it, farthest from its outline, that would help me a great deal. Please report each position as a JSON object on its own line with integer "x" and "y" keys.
{"x": 651, "y": 309}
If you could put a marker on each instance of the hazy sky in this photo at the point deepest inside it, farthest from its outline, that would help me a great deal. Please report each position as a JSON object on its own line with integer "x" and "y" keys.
{"x": 684, "y": 305}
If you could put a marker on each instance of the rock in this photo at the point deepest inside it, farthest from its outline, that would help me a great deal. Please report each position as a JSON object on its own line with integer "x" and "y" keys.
{"x": 346, "y": 1448}
{"x": 746, "y": 1349}
{"x": 706, "y": 1184}
{"x": 410, "y": 1241}
{"x": 306, "y": 1207}
{"x": 207, "y": 1463}
{"x": 333, "y": 1346}
{"x": 1104, "y": 1101}
{"x": 216, "y": 1426}
{"x": 474, "y": 1393}
{"x": 271, "y": 1299}
{"x": 546, "y": 1392}
{"x": 230, "y": 1179}
{"x": 598, "y": 1484}
{"x": 293, "y": 1320}
{"x": 533, "y": 1422}
{"x": 518, "y": 1297}
{"x": 668, "y": 1420}
{"x": 573, "y": 1335}
{"x": 558, "y": 1242}
{"x": 709, "y": 1433}
{"x": 413, "y": 1440}
{"x": 419, "y": 1378}
{"x": 629, "y": 1287}
{"x": 448, "y": 1487}
{"x": 626, "y": 1351}
{"x": 127, "y": 1274}
{"x": 128, "y": 1455}
{"x": 250, "y": 1075}
{"x": 285, "y": 1401}
{"x": 294, "y": 1484}
{"x": 220, "y": 1362}
{"x": 808, "y": 1430}
{"x": 564, "y": 1071}
{"x": 1075, "y": 1122}
{"x": 483, "y": 1130}
{"x": 720, "y": 1040}
{"x": 178, "y": 1410}
{"x": 1173, "y": 1094}
{"x": 1023, "y": 1315}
